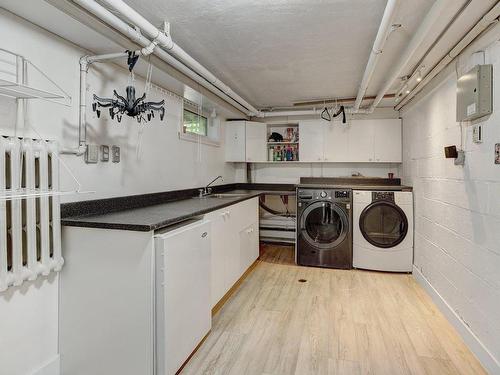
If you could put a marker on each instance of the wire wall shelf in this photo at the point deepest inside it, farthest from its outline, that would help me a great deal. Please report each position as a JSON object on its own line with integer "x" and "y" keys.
{"x": 14, "y": 80}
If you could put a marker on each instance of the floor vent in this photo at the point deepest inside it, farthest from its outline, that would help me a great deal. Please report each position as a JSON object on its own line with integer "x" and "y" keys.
{"x": 30, "y": 225}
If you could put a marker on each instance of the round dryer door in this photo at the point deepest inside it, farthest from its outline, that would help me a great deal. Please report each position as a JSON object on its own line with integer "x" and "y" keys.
{"x": 324, "y": 225}
{"x": 383, "y": 224}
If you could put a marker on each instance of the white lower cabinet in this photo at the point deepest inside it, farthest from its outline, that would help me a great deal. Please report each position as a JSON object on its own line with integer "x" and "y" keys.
{"x": 249, "y": 247}
{"x": 183, "y": 315}
{"x": 233, "y": 249}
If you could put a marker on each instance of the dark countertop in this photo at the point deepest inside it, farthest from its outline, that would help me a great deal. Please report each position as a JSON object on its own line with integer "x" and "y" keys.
{"x": 161, "y": 215}
{"x": 149, "y": 212}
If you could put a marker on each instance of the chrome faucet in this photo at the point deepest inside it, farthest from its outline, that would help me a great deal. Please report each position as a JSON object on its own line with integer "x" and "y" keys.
{"x": 207, "y": 190}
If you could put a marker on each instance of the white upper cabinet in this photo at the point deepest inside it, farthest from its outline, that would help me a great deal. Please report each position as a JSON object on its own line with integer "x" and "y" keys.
{"x": 387, "y": 141}
{"x": 235, "y": 141}
{"x": 256, "y": 141}
{"x": 336, "y": 148}
{"x": 245, "y": 141}
{"x": 362, "y": 141}
{"x": 311, "y": 140}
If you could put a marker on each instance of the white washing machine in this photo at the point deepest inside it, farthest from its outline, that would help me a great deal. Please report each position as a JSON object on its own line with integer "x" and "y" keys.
{"x": 383, "y": 230}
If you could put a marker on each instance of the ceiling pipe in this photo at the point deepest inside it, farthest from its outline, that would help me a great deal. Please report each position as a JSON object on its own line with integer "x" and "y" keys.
{"x": 429, "y": 21}
{"x": 384, "y": 30}
{"x": 488, "y": 19}
{"x": 333, "y": 101}
{"x": 309, "y": 112}
{"x": 165, "y": 41}
{"x": 135, "y": 36}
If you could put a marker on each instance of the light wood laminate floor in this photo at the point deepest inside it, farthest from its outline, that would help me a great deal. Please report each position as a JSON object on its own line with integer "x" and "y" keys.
{"x": 337, "y": 322}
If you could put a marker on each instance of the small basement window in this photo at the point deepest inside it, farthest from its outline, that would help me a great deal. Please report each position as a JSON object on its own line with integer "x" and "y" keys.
{"x": 198, "y": 126}
{"x": 195, "y": 123}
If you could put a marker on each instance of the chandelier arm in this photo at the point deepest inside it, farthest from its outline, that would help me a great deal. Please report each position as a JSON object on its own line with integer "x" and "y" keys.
{"x": 155, "y": 108}
{"x": 156, "y": 103}
{"x": 104, "y": 100}
{"x": 119, "y": 97}
{"x": 138, "y": 100}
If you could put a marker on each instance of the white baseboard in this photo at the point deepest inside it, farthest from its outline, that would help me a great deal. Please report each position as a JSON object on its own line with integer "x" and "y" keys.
{"x": 489, "y": 362}
{"x": 52, "y": 367}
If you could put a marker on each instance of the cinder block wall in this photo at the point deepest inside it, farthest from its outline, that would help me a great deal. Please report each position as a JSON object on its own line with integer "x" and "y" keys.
{"x": 457, "y": 208}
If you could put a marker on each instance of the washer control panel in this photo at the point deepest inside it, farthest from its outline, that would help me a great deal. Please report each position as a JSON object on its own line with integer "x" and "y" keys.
{"x": 306, "y": 195}
{"x": 342, "y": 194}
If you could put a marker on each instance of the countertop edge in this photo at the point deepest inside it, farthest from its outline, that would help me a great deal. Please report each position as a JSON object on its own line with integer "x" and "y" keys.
{"x": 81, "y": 222}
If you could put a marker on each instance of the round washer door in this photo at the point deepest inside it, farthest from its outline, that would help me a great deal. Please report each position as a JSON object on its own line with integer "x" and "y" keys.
{"x": 383, "y": 224}
{"x": 324, "y": 225}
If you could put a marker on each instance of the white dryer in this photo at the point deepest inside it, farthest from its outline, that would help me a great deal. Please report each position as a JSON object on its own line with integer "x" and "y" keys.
{"x": 383, "y": 230}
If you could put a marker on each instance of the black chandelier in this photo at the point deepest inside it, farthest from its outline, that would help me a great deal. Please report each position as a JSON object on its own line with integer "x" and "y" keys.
{"x": 129, "y": 105}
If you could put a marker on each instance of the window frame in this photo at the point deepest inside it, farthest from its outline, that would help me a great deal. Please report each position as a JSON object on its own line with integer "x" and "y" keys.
{"x": 198, "y": 138}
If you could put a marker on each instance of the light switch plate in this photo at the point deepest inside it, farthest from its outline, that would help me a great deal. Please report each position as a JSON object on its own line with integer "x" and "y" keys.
{"x": 104, "y": 153}
{"x": 477, "y": 133}
{"x": 497, "y": 153}
{"x": 115, "y": 154}
{"x": 92, "y": 154}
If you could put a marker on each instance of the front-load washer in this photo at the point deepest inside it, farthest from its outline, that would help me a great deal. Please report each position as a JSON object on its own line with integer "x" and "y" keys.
{"x": 324, "y": 228}
{"x": 383, "y": 230}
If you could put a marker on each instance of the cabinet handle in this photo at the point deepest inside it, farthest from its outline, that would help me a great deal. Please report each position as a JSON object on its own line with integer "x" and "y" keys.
{"x": 204, "y": 234}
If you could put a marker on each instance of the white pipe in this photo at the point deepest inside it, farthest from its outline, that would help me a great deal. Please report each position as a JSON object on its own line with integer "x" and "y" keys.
{"x": 115, "y": 22}
{"x": 486, "y": 20}
{"x": 166, "y": 42}
{"x": 378, "y": 46}
{"x": 305, "y": 112}
{"x": 429, "y": 21}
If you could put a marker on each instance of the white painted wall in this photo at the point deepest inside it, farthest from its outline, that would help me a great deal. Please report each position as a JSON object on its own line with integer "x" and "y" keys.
{"x": 457, "y": 209}
{"x": 29, "y": 314}
{"x": 291, "y": 173}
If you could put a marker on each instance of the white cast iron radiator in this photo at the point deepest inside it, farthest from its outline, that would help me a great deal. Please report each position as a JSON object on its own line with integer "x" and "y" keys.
{"x": 30, "y": 224}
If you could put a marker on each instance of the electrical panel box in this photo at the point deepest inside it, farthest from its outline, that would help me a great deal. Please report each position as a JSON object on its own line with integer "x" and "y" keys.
{"x": 475, "y": 93}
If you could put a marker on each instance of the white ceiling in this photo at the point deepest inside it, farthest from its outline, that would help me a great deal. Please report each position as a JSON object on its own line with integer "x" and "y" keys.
{"x": 279, "y": 52}
{"x": 275, "y": 52}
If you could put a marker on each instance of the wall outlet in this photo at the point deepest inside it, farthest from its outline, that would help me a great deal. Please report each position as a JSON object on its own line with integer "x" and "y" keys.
{"x": 104, "y": 153}
{"x": 92, "y": 154}
{"x": 115, "y": 154}
{"x": 497, "y": 153}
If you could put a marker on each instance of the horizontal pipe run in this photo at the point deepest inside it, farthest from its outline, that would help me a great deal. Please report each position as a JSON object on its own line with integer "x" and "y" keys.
{"x": 166, "y": 42}
{"x": 488, "y": 19}
{"x": 110, "y": 19}
{"x": 378, "y": 46}
{"x": 429, "y": 21}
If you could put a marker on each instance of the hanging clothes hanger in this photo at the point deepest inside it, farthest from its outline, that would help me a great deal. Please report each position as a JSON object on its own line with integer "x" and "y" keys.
{"x": 341, "y": 110}
{"x": 325, "y": 115}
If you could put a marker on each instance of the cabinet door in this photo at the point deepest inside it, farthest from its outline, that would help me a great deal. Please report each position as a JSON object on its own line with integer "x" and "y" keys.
{"x": 232, "y": 243}
{"x": 311, "y": 140}
{"x": 249, "y": 246}
{"x": 387, "y": 141}
{"x": 218, "y": 220}
{"x": 256, "y": 141}
{"x": 186, "y": 298}
{"x": 336, "y": 142}
{"x": 235, "y": 141}
{"x": 361, "y": 141}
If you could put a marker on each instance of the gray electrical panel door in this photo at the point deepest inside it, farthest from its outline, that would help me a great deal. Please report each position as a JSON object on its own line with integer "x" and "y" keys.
{"x": 475, "y": 93}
